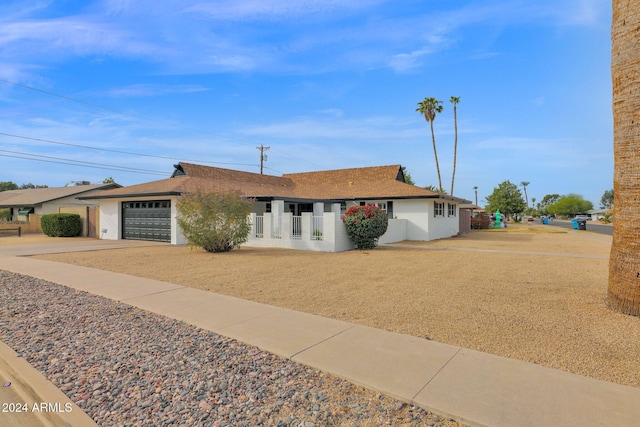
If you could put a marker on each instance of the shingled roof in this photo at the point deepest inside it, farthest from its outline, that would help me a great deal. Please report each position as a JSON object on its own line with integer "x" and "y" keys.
{"x": 36, "y": 196}
{"x": 378, "y": 182}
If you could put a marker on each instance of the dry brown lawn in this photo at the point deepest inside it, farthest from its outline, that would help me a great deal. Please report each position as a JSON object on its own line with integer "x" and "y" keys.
{"x": 532, "y": 293}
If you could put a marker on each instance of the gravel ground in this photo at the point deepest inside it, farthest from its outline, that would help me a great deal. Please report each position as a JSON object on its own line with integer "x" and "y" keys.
{"x": 127, "y": 367}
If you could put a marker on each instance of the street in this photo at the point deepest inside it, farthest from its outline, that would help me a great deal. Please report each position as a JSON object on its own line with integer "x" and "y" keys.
{"x": 591, "y": 226}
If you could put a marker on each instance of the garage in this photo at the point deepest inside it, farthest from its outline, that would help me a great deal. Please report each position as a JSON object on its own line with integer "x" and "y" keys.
{"x": 147, "y": 220}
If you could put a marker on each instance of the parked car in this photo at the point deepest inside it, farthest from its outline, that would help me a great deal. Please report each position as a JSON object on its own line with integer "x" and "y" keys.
{"x": 582, "y": 218}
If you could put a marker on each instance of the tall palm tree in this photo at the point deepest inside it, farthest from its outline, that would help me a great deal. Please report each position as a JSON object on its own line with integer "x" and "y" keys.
{"x": 454, "y": 100}
{"x": 475, "y": 188}
{"x": 524, "y": 187}
{"x": 429, "y": 107}
{"x": 624, "y": 263}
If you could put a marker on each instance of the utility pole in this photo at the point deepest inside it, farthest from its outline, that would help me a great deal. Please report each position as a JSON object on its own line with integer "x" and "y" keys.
{"x": 263, "y": 157}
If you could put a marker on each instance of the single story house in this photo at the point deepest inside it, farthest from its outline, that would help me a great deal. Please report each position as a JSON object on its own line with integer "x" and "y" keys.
{"x": 297, "y": 210}
{"x": 41, "y": 201}
{"x": 598, "y": 214}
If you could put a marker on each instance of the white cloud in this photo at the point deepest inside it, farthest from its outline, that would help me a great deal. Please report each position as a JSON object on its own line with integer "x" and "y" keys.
{"x": 237, "y": 10}
{"x": 239, "y": 35}
{"x": 143, "y": 90}
{"x": 406, "y": 61}
{"x": 333, "y": 112}
{"x": 372, "y": 129}
{"x": 580, "y": 12}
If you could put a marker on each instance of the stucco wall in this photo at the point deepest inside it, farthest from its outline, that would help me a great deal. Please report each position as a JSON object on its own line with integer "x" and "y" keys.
{"x": 396, "y": 231}
{"x": 177, "y": 238}
{"x": 413, "y": 220}
{"x": 54, "y": 205}
{"x": 78, "y": 210}
{"x": 441, "y": 227}
{"x": 334, "y": 236}
{"x": 110, "y": 219}
{"x": 417, "y": 215}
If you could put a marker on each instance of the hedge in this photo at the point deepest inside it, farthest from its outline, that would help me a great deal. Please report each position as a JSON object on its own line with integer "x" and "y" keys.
{"x": 61, "y": 225}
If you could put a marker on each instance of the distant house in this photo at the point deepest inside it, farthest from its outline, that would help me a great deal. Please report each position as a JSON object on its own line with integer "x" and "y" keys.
{"x": 598, "y": 214}
{"x": 298, "y": 210}
{"x": 41, "y": 201}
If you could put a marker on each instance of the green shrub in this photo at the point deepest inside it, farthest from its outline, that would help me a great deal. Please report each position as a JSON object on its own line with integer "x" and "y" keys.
{"x": 365, "y": 225}
{"x": 214, "y": 221}
{"x": 5, "y": 214}
{"x": 61, "y": 225}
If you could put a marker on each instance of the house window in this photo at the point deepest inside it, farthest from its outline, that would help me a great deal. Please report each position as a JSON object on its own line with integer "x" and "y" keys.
{"x": 267, "y": 208}
{"x": 451, "y": 209}
{"x": 438, "y": 209}
{"x": 382, "y": 206}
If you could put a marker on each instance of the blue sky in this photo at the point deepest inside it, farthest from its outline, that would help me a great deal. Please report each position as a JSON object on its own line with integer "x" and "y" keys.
{"x": 325, "y": 84}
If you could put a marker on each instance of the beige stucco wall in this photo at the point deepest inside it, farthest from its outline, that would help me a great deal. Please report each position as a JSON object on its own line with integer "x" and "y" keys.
{"x": 83, "y": 212}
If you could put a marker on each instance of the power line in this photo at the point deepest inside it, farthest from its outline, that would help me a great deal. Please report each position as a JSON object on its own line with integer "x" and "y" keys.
{"x": 298, "y": 158}
{"x": 59, "y": 160}
{"x": 117, "y": 151}
{"x": 68, "y": 98}
{"x": 275, "y": 170}
{"x": 90, "y": 104}
{"x": 59, "y": 96}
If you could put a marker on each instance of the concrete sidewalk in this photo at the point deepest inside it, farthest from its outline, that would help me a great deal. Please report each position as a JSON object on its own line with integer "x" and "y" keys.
{"x": 472, "y": 387}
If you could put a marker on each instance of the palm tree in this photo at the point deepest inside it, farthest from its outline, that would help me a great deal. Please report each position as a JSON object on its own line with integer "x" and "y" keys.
{"x": 429, "y": 107}
{"x": 475, "y": 188}
{"x": 624, "y": 263}
{"x": 524, "y": 186}
{"x": 454, "y": 100}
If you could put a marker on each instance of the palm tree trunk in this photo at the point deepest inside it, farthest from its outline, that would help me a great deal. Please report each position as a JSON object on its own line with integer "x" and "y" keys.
{"x": 435, "y": 153}
{"x": 455, "y": 146}
{"x": 624, "y": 262}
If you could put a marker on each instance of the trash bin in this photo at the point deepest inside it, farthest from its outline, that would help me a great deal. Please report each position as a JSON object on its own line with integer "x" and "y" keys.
{"x": 574, "y": 223}
{"x": 582, "y": 224}
{"x": 545, "y": 220}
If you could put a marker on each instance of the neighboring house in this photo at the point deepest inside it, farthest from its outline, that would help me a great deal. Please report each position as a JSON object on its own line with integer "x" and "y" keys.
{"x": 42, "y": 201}
{"x": 298, "y": 210}
{"x": 598, "y": 214}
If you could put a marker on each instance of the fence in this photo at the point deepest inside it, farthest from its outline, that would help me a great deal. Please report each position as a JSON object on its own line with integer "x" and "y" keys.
{"x": 31, "y": 226}
{"x": 296, "y": 232}
{"x": 318, "y": 229}
{"x": 258, "y": 227}
{"x": 276, "y": 227}
{"x": 307, "y": 232}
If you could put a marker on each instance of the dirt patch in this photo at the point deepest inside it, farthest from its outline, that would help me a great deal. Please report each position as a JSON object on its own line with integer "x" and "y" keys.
{"x": 525, "y": 293}
{"x": 35, "y": 238}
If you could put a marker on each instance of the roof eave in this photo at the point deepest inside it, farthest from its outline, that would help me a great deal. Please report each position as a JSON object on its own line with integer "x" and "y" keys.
{"x": 130, "y": 195}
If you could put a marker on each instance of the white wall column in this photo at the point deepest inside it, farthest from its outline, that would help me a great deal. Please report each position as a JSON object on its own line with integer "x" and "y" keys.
{"x": 286, "y": 226}
{"x": 277, "y": 207}
{"x": 306, "y": 225}
{"x": 318, "y": 208}
{"x": 266, "y": 225}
